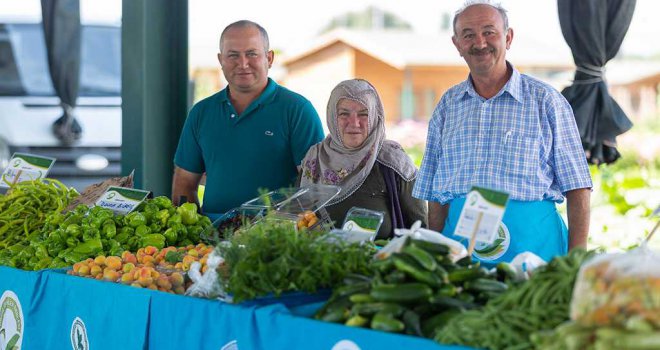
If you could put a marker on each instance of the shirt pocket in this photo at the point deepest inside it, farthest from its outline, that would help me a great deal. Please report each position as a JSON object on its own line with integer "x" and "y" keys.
{"x": 519, "y": 152}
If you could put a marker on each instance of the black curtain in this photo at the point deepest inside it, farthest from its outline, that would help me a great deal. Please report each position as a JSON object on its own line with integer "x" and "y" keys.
{"x": 594, "y": 30}
{"x": 62, "y": 31}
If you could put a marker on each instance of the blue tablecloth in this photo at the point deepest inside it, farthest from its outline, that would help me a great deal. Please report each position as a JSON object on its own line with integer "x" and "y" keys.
{"x": 61, "y": 312}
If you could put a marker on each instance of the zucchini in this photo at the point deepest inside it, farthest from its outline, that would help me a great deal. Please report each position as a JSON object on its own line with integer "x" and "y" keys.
{"x": 423, "y": 258}
{"x": 387, "y": 323}
{"x": 401, "y": 293}
{"x": 433, "y": 248}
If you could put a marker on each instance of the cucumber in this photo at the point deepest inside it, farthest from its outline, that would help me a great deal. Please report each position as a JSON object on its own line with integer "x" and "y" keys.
{"x": 383, "y": 265}
{"x": 372, "y": 308}
{"x": 452, "y": 303}
{"x": 412, "y": 323}
{"x": 433, "y": 248}
{"x": 410, "y": 267}
{"x": 401, "y": 293}
{"x": 464, "y": 274}
{"x": 387, "y": 323}
{"x": 356, "y": 321}
{"x": 506, "y": 272}
{"x": 353, "y": 278}
{"x": 486, "y": 285}
{"x": 430, "y": 325}
{"x": 361, "y": 298}
{"x": 351, "y": 289}
{"x": 335, "y": 315}
{"x": 423, "y": 258}
{"x": 464, "y": 261}
{"x": 395, "y": 276}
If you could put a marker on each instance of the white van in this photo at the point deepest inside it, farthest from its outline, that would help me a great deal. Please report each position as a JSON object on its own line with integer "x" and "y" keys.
{"x": 29, "y": 106}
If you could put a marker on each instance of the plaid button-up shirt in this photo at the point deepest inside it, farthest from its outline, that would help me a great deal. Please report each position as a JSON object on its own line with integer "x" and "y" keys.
{"x": 523, "y": 141}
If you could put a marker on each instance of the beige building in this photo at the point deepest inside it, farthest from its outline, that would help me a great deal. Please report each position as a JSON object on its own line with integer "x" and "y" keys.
{"x": 410, "y": 71}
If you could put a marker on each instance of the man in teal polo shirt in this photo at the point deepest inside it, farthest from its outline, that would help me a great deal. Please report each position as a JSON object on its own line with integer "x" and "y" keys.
{"x": 251, "y": 135}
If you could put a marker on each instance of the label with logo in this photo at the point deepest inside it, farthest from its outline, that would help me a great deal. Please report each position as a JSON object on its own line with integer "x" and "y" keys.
{"x": 79, "y": 339}
{"x": 495, "y": 249}
{"x": 481, "y": 214}
{"x": 11, "y": 321}
{"x": 361, "y": 220}
{"x": 25, "y": 167}
{"x": 232, "y": 345}
{"x": 121, "y": 200}
{"x": 345, "y": 345}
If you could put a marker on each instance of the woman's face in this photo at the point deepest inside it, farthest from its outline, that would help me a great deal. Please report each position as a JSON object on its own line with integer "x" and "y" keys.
{"x": 353, "y": 122}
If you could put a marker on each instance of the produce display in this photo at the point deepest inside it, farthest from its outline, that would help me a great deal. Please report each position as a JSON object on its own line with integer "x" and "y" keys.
{"x": 64, "y": 239}
{"x": 414, "y": 291}
{"x": 23, "y": 213}
{"x": 150, "y": 267}
{"x": 273, "y": 257}
{"x": 510, "y": 320}
{"x": 616, "y": 305}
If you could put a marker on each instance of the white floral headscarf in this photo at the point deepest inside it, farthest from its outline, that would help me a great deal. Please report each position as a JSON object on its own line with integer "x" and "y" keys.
{"x": 330, "y": 162}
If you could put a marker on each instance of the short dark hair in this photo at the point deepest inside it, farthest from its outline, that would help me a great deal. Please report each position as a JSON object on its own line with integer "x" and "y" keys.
{"x": 470, "y": 3}
{"x": 246, "y": 24}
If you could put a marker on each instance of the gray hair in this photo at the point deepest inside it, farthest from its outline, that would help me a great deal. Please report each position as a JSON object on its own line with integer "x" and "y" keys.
{"x": 469, "y": 3}
{"x": 246, "y": 24}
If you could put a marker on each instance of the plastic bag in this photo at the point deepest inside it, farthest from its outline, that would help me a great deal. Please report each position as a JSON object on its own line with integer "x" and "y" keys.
{"x": 207, "y": 285}
{"x": 525, "y": 263}
{"x": 456, "y": 249}
{"x": 616, "y": 289}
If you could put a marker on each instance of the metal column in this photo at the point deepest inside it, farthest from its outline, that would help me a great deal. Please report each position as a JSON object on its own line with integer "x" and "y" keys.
{"x": 154, "y": 89}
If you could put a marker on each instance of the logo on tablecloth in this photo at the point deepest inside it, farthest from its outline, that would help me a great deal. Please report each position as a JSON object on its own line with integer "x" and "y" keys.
{"x": 232, "y": 345}
{"x": 496, "y": 249}
{"x": 11, "y": 321}
{"x": 79, "y": 335}
{"x": 345, "y": 345}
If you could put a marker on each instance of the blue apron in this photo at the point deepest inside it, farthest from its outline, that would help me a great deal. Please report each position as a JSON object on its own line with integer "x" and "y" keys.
{"x": 536, "y": 227}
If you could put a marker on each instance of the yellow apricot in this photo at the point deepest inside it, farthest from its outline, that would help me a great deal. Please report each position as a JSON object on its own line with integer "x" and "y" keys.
{"x": 95, "y": 270}
{"x": 83, "y": 270}
{"x": 176, "y": 279}
{"x": 100, "y": 260}
{"x": 113, "y": 262}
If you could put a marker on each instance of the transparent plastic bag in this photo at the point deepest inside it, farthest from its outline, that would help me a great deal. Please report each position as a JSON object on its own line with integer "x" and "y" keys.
{"x": 456, "y": 249}
{"x": 207, "y": 285}
{"x": 615, "y": 289}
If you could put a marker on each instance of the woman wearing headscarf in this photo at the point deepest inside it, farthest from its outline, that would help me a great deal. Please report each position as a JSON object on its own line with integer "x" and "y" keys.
{"x": 373, "y": 173}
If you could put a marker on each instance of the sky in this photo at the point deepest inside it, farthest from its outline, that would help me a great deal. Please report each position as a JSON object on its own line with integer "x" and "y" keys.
{"x": 291, "y": 23}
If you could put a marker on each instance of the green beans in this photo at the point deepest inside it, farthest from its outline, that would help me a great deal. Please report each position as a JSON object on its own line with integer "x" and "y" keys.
{"x": 508, "y": 320}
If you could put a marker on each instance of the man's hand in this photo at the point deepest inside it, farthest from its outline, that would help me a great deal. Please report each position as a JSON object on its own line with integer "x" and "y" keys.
{"x": 185, "y": 183}
{"x": 577, "y": 205}
{"x": 437, "y": 216}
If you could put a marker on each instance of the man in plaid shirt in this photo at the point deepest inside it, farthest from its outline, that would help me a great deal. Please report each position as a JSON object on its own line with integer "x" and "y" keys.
{"x": 506, "y": 131}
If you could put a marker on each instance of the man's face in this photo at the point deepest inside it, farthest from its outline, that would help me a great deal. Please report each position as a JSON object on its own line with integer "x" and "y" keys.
{"x": 480, "y": 38}
{"x": 353, "y": 122}
{"x": 244, "y": 59}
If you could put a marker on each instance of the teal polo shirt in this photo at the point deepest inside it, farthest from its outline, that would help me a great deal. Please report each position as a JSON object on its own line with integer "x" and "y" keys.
{"x": 241, "y": 154}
